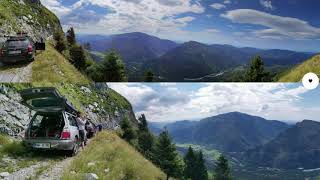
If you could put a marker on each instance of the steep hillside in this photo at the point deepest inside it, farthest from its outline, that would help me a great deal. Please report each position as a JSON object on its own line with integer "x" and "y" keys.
{"x": 51, "y": 66}
{"x": 27, "y": 16}
{"x": 102, "y": 104}
{"x": 112, "y": 158}
{"x": 296, "y": 74}
{"x": 231, "y": 132}
{"x": 297, "y": 147}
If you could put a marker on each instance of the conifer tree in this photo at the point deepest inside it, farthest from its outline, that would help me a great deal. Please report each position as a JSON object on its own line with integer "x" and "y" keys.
{"x": 256, "y": 71}
{"x": 222, "y": 170}
{"x": 128, "y": 131}
{"x": 71, "y": 37}
{"x": 78, "y": 57}
{"x": 143, "y": 124}
{"x": 145, "y": 138}
{"x": 189, "y": 160}
{"x": 61, "y": 43}
{"x": 149, "y": 76}
{"x": 166, "y": 156}
{"x": 201, "y": 169}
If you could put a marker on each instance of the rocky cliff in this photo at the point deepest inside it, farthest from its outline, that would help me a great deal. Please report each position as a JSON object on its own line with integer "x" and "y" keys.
{"x": 102, "y": 105}
{"x": 28, "y": 16}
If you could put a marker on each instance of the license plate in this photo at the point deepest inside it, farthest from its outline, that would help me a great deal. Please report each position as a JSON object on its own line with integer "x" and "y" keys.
{"x": 14, "y": 52}
{"x": 42, "y": 145}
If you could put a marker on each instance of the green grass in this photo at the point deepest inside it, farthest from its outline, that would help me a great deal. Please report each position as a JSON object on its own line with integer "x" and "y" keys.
{"x": 51, "y": 66}
{"x": 10, "y": 10}
{"x": 24, "y": 157}
{"x": 212, "y": 153}
{"x": 107, "y": 150}
{"x": 296, "y": 74}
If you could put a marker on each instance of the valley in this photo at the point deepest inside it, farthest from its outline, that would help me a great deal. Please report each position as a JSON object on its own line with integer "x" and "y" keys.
{"x": 190, "y": 61}
{"x": 255, "y": 147}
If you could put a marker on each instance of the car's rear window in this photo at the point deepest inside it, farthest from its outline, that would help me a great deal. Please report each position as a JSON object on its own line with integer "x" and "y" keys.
{"x": 47, "y": 125}
{"x": 17, "y": 43}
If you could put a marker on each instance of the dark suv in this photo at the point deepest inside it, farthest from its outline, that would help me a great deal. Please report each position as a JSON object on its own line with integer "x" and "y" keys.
{"x": 17, "y": 49}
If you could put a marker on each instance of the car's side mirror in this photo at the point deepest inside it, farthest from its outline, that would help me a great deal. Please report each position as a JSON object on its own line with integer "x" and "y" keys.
{"x": 40, "y": 46}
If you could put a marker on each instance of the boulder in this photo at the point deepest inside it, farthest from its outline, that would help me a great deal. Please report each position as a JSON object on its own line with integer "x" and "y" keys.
{"x": 91, "y": 176}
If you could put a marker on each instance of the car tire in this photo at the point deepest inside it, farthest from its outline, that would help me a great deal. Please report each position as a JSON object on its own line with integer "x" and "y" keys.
{"x": 75, "y": 148}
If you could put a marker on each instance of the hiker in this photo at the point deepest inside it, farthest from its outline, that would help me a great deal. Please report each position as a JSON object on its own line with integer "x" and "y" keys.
{"x": 81, "y": 124}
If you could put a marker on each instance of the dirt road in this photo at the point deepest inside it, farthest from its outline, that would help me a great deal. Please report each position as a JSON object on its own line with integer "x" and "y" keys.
{"x": 47, "y": 169}
{"x": 16, "y": 74}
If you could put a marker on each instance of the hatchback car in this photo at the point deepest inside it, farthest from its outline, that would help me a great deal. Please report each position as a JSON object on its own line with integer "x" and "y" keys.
{"x": 19, "y": 48}
{"x": 54, "y": 126}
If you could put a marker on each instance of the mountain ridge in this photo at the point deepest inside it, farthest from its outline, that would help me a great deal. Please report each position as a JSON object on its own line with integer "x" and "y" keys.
{"x": 215, "y": 132}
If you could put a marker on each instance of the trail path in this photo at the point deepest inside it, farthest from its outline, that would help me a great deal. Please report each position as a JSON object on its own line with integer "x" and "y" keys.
{"x": 15, "y": 74}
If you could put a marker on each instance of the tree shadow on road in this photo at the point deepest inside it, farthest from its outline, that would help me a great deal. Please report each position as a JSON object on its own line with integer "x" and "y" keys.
{"x": 12, "y": 66}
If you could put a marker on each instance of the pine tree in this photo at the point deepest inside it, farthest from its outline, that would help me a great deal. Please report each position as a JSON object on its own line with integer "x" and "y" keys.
{"x": 148, "y": 76}
{"x": 61, "y": 43}
{"x": 201, "y": 169}
{"x": 71, "y": 37}
{"x": 166, "y": 156}
{"x": 143, "y": 124}
{"x": 145, "y": 138}
{"x": 78, "y": 57}
{"x": 222, "y": 170}
{"x": 115, "y": 70}
{"x": 256, "y": 72}
{"x": 128, "y": 131}
{"x": 190, "y": 166}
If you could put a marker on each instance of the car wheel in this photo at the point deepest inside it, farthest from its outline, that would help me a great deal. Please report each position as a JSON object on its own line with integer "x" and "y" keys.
{"x": 75, "y": 149}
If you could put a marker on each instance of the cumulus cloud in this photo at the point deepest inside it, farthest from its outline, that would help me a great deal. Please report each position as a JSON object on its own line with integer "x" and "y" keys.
{"x": 227, "y": 2}
{"x": 276, "y": 26}
{"x": 149, "y": 16}
{"x": 165, "y": 102}
{"x": 56, "y": 7}
{"x": 218, "y": 6}
{"x": 267, "y": 4}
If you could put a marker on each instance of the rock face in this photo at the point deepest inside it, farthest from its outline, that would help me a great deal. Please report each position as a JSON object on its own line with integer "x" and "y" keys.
{"x": 31, "y": 17}
{"x": 14, "y": 117}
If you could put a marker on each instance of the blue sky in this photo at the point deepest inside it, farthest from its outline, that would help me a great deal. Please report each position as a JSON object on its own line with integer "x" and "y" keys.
{"x": 194, "y": 101}
{"x": 287, "y": 24}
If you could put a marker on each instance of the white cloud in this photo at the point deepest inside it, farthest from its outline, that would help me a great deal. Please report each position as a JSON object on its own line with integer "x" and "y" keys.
{"x": 227, "y": 2}
{"x": 276, "y": 26}
{"x": 218, "y": 6}
{"x": 157, "y": 17}
{"x": 56, "y": 7}
{"x": 267, "y": 4}
{"x": 172, "y": 102}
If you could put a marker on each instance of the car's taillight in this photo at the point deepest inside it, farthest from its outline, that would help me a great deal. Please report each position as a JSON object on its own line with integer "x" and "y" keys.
{"x": 1, "y": 51}
{"x": 30, "y": 49}
{"x": 65, "y": 134}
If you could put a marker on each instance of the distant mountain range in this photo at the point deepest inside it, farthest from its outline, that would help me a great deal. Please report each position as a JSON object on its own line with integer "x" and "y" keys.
{"x": 253, "y": 140}
{"x": 172, "y": 61}
{"x": 231, "y": 132}
{"x": 133, "y": 47}
{"x": 296, "y": 147}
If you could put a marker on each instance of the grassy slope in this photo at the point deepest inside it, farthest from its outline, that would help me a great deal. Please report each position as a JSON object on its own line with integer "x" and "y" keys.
{"x": 10, "y": 9}
{"x": 107, "y": 150}
{"x": 51, "y": 66}
{"x": 297, "y": 73}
